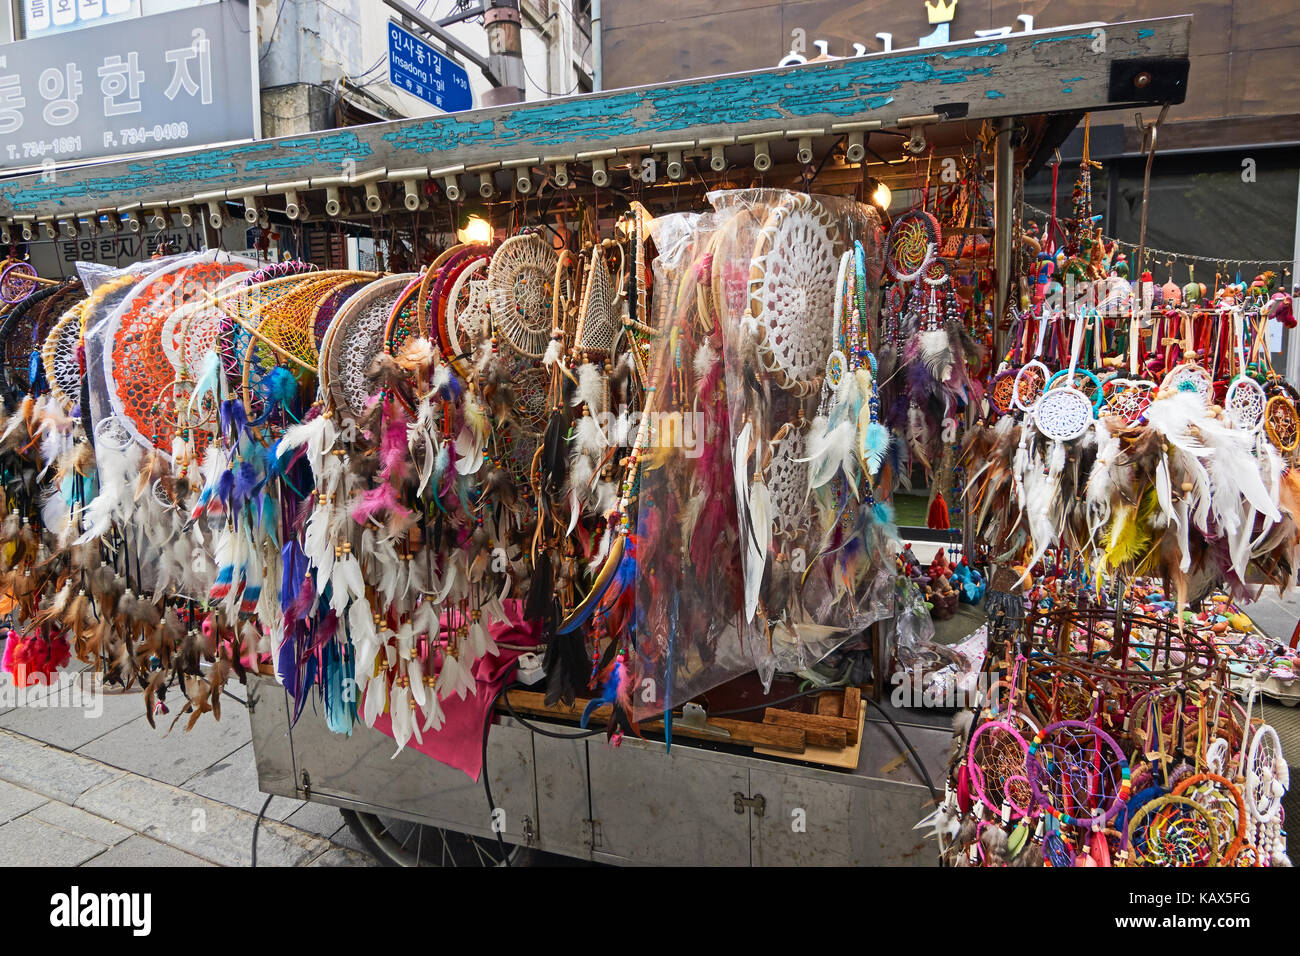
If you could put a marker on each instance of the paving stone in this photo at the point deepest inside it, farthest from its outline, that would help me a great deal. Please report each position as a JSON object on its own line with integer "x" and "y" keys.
{"x": 70, "y": 727}
{"x": 340, "y": 856}
{"x": 233, "y": 781}
{"x": 29, "y": 842}
{"x": 344, "y": 837}
{"x": 88, "y": 825}
{"x": 200, "y": 826}
{"x": 48, "y": 770}
{"x": 320, "y": 818}
{"x": 137, "y": 850}
{"x": 15, "y": 801}
{"x": 172, "y": 756}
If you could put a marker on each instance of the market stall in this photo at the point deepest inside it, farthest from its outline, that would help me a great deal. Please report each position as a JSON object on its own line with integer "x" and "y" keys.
{"x": 580, "y": 513}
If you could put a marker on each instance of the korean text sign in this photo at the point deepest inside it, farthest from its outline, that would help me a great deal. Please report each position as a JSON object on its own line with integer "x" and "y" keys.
{"x": 161, "y": 82}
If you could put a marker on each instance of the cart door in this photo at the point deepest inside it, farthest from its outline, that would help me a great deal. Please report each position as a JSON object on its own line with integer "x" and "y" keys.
{"x": 676, "y": 809}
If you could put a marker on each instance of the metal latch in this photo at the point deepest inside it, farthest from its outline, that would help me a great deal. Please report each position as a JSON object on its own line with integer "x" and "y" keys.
{"x": 757, "y": 803}
{"x": 306, "y": 785}
{"x": 530, "y": 835}
{"x": 591, "y": 833}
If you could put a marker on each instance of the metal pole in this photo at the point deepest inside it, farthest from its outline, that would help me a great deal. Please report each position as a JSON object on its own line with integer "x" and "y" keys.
{"x": 505, "y": 52}
{"x": 1003, "y": 194}
{"x": 597, "y": 49}
{"x": 1292, "y": 345}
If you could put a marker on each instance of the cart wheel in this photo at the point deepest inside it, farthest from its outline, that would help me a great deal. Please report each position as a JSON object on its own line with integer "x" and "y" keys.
{"x": 395, "y": 842}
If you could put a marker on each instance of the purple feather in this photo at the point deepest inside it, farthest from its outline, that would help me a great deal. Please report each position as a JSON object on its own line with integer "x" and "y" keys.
{"x": 233, "y": 418}
{"x": 226, "y": 486}
{"x": 247, "y": 484}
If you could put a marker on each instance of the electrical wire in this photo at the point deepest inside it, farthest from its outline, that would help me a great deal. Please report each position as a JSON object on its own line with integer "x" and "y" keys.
{"x": 258, "y": 825}
{"x": 487, "y": 777}
{"x": 271, "y": 38}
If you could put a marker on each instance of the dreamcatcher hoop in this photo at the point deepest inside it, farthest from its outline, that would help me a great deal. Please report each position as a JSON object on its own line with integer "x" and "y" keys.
{"x": 1128, "y": 398}
{"x": 468, "y": 311}
{"x": 1281, "y": 423}
{"x": 1162, "y": 830}
{"x": 17, "y": 282}
{"x": 137, "y": 367}
{"x": 59, "y": 356}
{"x": 1188, "y": 377}
{"x": 1267, "y": 774}
{"x": 1215, "y": 792}
{"x": 792, "y": 289}
{"x": 1244, "y": 404}
{"x": 1039, "y": 776}
{"x": 1065, "y": 413}
{"x": 353, "y": 340}
{"x": 912, "y": 244}
{"x": 519, "y": 280}
{"x": 996, "y": 759}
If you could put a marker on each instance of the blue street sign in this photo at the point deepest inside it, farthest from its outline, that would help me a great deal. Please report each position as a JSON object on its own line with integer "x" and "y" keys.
{"x": 419, "y": 69}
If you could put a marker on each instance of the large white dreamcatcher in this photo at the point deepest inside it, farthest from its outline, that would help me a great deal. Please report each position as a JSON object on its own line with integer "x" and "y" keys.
{"x": 792, "y": 289}
{"x": 519, "y": 284}
{"x": 468, "y": 308}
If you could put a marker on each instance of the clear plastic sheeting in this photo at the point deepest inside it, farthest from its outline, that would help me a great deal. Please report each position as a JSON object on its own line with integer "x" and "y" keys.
{"x": 744, "y": 563}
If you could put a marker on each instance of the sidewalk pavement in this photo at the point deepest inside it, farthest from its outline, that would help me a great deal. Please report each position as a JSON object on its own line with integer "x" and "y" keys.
{"x": 80, "y": 789}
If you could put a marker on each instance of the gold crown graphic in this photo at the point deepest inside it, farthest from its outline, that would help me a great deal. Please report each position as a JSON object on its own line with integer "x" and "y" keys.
{"x": 941, "y": 12}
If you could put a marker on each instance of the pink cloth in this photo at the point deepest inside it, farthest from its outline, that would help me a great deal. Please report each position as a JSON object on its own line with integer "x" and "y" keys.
{"x": 459, "y": 743}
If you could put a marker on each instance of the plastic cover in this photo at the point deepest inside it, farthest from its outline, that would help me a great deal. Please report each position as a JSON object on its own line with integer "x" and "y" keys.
{"x": 746, "y": 295}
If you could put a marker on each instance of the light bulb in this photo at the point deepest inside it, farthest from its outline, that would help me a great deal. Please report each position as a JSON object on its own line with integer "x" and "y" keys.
{"x": 882, "y": 197}
{"x": 477, "y": 231}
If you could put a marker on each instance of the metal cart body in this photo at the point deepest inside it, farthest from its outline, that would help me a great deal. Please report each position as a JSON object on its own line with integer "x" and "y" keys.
{"x": 632, "y": 804}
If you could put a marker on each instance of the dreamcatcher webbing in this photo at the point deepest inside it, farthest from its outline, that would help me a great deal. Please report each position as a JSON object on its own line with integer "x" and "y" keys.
{"x": 815, "y": 587}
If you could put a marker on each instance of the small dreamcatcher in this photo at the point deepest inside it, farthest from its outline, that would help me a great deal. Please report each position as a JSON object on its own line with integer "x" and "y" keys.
{"x": 1128, "y": 398}
{"x": 792, "y": 289}
{"x": 519, "y": 284}
{"x": 1173, "y": 831}
{"x": 1244, "y": 401}
{"x": 1281, "y": 423}
{"x": 1078, "y": 773}
{"x": 912, "y": 245}
{"x": 17, "y": 281}
{"x": 996, "y": 762}
{"x": 1031, "y": 378}
{"x": 1064, "y": 413}
{"x": 1223, "y": 801}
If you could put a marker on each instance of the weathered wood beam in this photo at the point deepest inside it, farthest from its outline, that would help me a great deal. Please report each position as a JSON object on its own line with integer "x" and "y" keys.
{"x": 1091, "y": 67}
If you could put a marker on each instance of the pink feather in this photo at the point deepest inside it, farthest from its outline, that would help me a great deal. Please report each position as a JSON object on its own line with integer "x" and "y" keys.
{"x": 376, "y": 500}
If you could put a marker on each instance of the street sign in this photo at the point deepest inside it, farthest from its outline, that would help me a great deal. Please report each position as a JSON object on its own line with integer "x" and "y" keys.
{"x": 422, "y": 71}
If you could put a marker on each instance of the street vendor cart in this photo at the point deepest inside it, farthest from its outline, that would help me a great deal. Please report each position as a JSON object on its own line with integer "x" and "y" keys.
{"x": 842, "y": 778}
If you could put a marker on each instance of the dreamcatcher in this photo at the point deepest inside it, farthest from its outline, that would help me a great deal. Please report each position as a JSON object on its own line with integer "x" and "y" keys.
{"x": 281, "y": 353}
{"x": 912, "y": 245}
{"x": 792, "y": 288}
{"x": 140, "y": 367}
{"x": 1173, "y": 831}
{"x": 354, "y": 338}
{"x": 467, "y": 310}
{"x": 1221, "y": 799}
{"x": 18, "y": 280}
{"x": 60, "y": 357}
{"x": 1078, "y": 773}
{"x": 519, "y": 286}
{"x": 1244, "y": 401}
{"x": 598, "y": 326}
{"x": 1064, "y": 413}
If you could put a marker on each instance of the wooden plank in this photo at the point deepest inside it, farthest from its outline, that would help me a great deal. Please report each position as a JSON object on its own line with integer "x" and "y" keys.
{"x": 811, "y": 723}
{"x": 852, "y": 703}
{"x": 1049, "y": 71}
{"x": 744, "y": 733}
{"x": 845, "y": 758}
{"x": 830, "y": 703}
